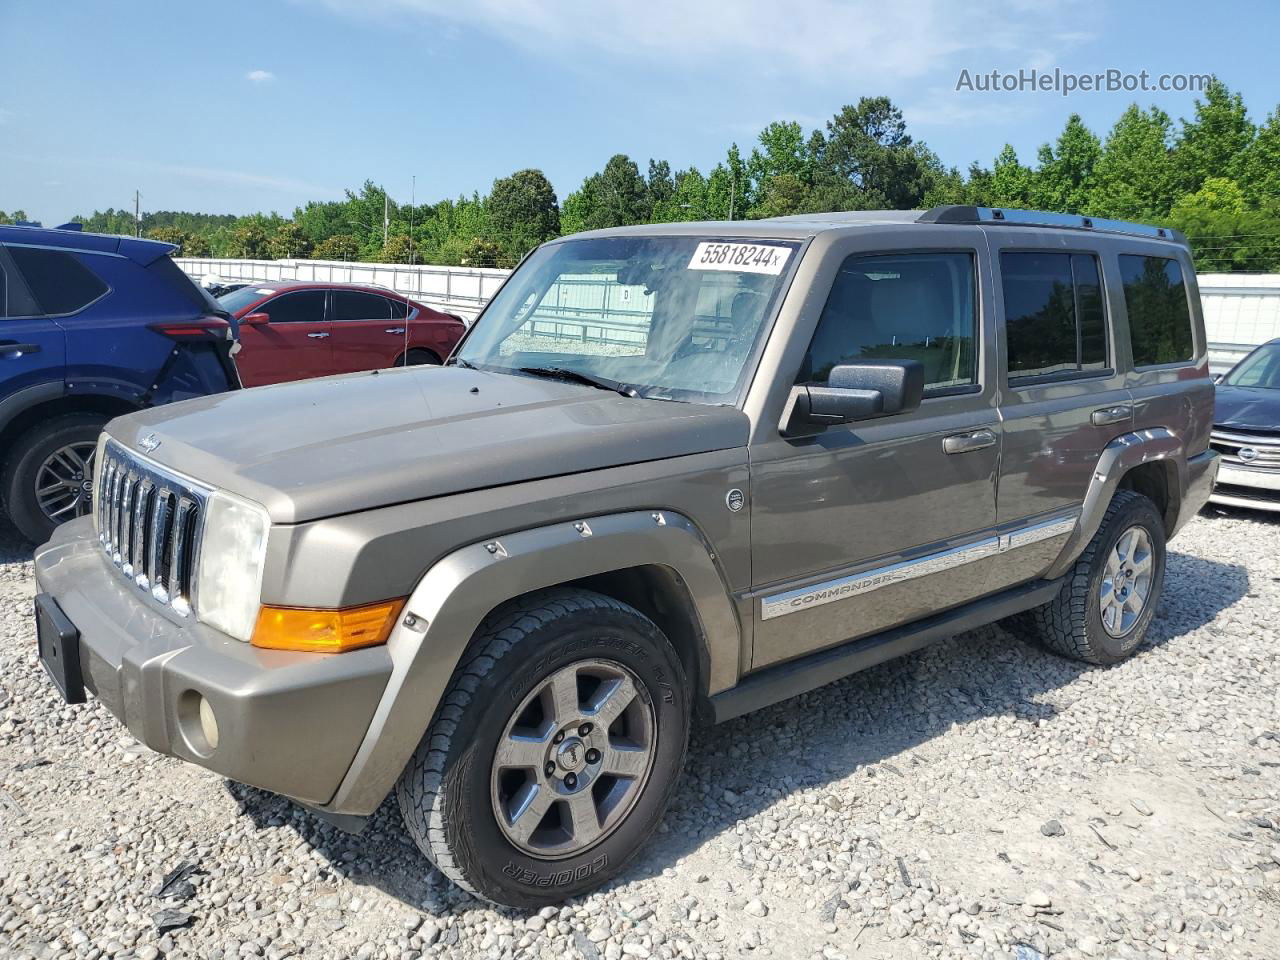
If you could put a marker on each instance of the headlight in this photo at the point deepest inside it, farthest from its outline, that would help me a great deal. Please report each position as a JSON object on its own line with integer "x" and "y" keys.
{"x": 229, "y": 568}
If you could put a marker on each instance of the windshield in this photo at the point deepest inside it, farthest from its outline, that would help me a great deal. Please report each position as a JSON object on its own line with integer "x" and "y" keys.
{"x": 668, "y": 317}
{"x": 237, "y": 300}
{"x": 1259, "y": 369}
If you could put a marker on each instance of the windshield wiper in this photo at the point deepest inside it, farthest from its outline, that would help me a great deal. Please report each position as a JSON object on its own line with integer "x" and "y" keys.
{"x": 459, "y": 362}
{"x": 575, "y": 376}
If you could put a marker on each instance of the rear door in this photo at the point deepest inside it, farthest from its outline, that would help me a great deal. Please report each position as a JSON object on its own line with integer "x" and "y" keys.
{"x": 365, "y": 335}
{"x": 1063, "y": 395}
{"x": 292, "y": 345}
{"x": 32, "y": 344}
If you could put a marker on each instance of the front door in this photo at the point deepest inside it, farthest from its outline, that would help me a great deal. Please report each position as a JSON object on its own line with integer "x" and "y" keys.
{"x": 292, "y": 345}
{"x": 864, "y": 526}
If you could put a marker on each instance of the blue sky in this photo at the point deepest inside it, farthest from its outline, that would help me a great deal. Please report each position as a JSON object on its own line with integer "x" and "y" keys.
{"x": 238, "y": 106}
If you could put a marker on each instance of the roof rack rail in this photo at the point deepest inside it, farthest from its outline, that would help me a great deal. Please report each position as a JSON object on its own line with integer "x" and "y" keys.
{"x": 964, "y": 213}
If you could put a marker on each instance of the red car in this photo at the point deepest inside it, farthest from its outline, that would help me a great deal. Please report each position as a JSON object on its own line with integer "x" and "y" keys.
{"x": 292, "y": 331}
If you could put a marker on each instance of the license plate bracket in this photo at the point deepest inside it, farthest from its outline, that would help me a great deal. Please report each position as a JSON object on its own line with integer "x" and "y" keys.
{"x": 59, "y": 645}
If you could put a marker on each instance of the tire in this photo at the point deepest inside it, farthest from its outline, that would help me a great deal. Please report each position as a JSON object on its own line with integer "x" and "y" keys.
{"x": 418, "y": 358}
{"x": 456, "y": 788}
{"x": 27, "y": 465}
{"x": 1073, "y": 623}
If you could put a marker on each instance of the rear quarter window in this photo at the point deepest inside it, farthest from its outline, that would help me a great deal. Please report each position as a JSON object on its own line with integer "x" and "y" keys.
{"x": 58, "y": 281}
{"x": 1155, "y": 295}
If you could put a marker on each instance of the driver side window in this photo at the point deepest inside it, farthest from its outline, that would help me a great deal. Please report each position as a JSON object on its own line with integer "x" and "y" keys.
{"x": 909, "y": 306}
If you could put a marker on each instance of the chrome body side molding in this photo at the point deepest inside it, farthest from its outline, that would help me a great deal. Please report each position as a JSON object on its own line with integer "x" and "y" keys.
{"x": 856, "y": 584}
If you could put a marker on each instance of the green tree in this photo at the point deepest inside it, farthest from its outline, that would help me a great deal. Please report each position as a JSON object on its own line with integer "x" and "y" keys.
{"x": 1259, "y": 164}
{"x": 196, "y": 245}
{"x": 1063, "y": 180}
{"x": 614, "y": 197}
{"x": 1010, "y": 181}
{"x": 523, "y": 212}
{"x": 249, "y": 240}
{"x": 1213, "y": 143}
{"x": 288, "y": 241}
{"x": 1134, "y": 178}
{"x": 11, "y": 218}
{"x": 340, "y": 246}
{"x": 171, "y": 235}
{"x": 1216, "y": 195}
{"x": 395, "y": 250}
{"x": 867, "y": 144}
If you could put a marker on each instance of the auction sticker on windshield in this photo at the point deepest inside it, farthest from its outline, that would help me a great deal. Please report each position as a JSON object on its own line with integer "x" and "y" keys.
{"x": 739, "y": 257}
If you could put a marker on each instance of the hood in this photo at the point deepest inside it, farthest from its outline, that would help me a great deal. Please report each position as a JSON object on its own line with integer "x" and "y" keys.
{"x": 316, "y": 448}
{"x": 1247, "y": 408}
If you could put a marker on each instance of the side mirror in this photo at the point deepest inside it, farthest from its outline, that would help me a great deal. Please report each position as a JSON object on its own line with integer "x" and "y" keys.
{"x": 855, "y": 391}
{"x": 255, "y": 319}
{"x": 1217, "y": 377}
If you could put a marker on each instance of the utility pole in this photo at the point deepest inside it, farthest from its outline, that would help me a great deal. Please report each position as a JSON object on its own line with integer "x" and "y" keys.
{"x": 137, "y": 213}
{"x": 733, "y": 189}
{"x": 413, "y": 198}
{"x": 386, "y": 216}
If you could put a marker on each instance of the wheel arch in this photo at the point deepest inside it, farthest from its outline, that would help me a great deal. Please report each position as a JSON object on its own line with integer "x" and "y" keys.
{"x": 657, "y": 561}
{"x": 1151, "y": 462}
{"x": 38, "y": 405}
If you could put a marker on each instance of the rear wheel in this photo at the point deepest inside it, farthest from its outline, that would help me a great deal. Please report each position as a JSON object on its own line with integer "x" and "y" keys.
{"x": 48, "y": 478}
{"x": 417, "y": 358}
{"x": 554, "y": 753}
{"x": 1109, "y": 597}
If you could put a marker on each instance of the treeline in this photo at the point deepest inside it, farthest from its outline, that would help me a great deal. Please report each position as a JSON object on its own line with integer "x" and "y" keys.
{"x": 1215, "y": 175}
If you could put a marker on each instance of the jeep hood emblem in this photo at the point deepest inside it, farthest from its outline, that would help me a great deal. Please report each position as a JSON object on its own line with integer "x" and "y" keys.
{"x": 149, "y": 443}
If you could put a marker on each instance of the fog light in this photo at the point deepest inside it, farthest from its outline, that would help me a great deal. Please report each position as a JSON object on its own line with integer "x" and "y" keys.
{"x": 208, "y": 725}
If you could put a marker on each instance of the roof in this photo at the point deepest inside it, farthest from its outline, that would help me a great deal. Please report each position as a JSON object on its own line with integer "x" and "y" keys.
{"x": 138, "y": 249}
{"x": 804, "y": 225}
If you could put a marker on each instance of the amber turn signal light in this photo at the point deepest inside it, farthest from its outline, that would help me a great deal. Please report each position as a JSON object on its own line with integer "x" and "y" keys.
{"x": 326, "y": 631}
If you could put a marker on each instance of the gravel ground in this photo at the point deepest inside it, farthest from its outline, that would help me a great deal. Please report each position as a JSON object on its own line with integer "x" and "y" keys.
{"x": 978, "y": 799}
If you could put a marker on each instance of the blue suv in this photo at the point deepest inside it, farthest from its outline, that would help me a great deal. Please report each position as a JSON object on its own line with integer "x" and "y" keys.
{"x": 91, "y": 327}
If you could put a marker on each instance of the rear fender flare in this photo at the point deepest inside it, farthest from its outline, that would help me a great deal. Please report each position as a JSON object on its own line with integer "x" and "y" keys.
{"x": 458, "y": 591}
{"x": 1118, "y": 457}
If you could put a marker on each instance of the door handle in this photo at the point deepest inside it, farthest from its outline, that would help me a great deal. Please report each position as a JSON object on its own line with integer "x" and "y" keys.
{"x": 1109, "y": 415}
{"x": 16, "y": 350}
{"x": 317, "y": 336}
{"x": 968, "y": 442}
{"x": 394, "y": 330}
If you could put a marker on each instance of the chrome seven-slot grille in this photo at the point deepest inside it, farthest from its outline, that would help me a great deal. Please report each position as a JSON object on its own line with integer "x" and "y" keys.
{"x": 1247, "y": 448}
{"x": 149, "y": 525}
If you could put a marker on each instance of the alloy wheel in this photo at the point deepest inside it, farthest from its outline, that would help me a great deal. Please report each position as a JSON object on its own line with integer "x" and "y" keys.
{"x": 64, "y": 482}
{"x": 573, "y": 759}
{"x": 1126, "y": 582}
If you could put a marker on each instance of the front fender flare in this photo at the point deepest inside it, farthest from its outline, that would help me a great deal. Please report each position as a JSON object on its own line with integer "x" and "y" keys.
{"x": 1118, "y": 457}
{"x": 459, "y": 590}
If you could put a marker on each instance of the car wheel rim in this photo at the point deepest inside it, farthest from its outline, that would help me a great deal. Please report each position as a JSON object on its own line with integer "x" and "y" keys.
{"x": 573, "y": 759}
{"x": 64, "y": 482}
{"x": 1126, "y": 582}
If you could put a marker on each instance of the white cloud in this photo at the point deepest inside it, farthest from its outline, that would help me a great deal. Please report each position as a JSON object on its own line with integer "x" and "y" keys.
{"x": 865, "y": 41}
{"x": 259, "y": 76}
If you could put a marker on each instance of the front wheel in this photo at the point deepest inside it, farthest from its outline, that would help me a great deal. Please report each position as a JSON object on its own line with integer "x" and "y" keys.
{"x": 554, "y": 753}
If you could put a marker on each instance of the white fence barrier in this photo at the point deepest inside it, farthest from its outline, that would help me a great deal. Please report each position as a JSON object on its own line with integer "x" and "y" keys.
{"x": 460, "y": 290}
{"x": 1241, "y": 310}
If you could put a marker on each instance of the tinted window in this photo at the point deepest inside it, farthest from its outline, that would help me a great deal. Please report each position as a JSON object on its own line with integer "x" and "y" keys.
{"x": 305, "y": 306}
{"x": 354, "y": 305}
{"x": 1055, "y": 318}
{"x": 917, "y": 306}
{"x": 398, "y": 309}
{"x": 59, "y": 282}
{"x": 237, "y": 300}
{"x": 1159, "y": 316}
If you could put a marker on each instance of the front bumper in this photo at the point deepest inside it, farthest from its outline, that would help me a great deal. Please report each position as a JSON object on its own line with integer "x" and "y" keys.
{"x": 1257, "y": 489}
{"x": 287, "y": 722}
